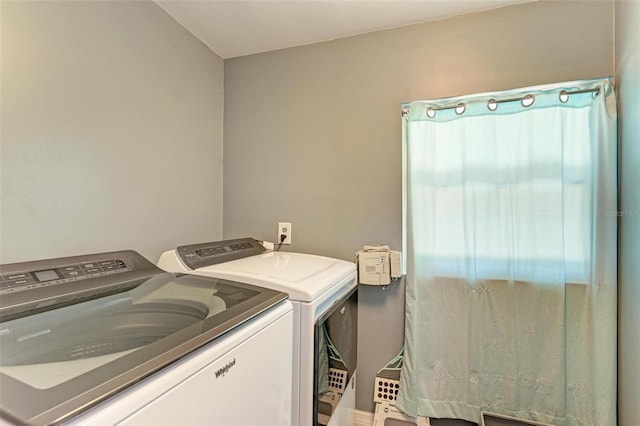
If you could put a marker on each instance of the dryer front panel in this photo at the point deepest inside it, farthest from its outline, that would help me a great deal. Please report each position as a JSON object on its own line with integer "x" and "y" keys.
{"x": 335, "y": 356}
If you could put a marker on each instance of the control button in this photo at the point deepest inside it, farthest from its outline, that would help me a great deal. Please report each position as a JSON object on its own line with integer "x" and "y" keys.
{"x": 70, "y": 268}
{"x": 11, "y": 277}
{"x": 121, "y": 264}
{"x": 110, "y": 268}
{"x": 89, "y": 265}
{"x": 92, "y": 270}
{"x": 14, "y": 283}
{"x": 240, "y": 246}
{"x": 210, "y": 251}
{"x": 72, "y": 273}
{"x": 106, "y": 263}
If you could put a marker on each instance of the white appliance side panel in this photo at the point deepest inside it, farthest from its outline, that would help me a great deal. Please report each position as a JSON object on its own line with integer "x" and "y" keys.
{"x": 295, "y": 377}
{"x": 307, "y": 349}
{"x": 256, "y": 390}
{"x": 345, "y": 412}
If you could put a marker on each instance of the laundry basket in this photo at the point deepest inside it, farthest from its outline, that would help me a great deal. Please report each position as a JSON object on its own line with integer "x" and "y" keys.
{"x": 329, "y": 400}
{"x": 385, "y": 393}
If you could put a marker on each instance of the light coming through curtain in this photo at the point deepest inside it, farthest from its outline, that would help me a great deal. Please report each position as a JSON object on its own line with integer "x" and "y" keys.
{"x": 510, "y": 221}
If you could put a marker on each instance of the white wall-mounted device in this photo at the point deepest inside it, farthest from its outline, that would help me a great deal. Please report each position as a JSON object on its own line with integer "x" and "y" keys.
{"x": 378, "y": 265}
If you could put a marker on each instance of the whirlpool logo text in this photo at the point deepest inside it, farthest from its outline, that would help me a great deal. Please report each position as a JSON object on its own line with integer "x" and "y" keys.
{"x": 222, "y": 371}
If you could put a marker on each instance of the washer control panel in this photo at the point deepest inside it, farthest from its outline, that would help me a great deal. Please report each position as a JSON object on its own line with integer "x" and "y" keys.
{"x": 26, "y": 280}
{"x": 39, "y": 285}
{"x": 206, "y": 254}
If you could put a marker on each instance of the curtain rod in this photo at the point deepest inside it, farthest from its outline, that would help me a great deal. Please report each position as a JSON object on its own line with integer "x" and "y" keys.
{"x": 492, "y": 104}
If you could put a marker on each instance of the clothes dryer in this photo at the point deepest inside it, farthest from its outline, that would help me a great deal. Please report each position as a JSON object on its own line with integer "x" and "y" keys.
{"x": 324, "y": 295}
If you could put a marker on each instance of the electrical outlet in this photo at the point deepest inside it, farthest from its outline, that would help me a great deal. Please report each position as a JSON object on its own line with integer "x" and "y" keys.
{"x": 284, "y": 228}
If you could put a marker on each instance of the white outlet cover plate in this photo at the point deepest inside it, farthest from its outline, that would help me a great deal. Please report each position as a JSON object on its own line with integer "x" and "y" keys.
{"x": 281, "y": 230}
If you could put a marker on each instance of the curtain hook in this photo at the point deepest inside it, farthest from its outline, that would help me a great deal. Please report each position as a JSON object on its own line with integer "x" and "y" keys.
{"x": 492, "y": 105}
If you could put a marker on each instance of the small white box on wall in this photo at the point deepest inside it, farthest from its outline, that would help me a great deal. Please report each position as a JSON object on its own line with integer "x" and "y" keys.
{"x": 378, "y": 265}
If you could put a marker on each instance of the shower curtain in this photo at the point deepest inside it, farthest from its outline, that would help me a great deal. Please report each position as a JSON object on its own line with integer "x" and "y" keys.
{"x": 511, "y": 222}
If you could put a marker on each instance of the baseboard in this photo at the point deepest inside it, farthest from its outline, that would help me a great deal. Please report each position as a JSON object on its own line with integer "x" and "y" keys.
{"x": 363, "y": 418}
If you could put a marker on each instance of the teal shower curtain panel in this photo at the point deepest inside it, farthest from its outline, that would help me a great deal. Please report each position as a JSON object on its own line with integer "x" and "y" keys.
{"x": 510, "y": 202}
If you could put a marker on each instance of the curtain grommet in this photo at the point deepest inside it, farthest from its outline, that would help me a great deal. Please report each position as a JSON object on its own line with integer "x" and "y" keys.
{"x": 527, "y": 101}
{"x": 563, "y": 96}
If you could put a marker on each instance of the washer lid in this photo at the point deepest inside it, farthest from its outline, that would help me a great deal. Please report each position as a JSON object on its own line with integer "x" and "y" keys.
{"x": 71, "y": 341}
{"x": 303, "y": 276}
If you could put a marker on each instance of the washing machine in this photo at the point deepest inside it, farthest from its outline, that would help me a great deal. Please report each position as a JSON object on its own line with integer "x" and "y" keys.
{"x": 110, "y": 338}
{"x": 324, "y": 295}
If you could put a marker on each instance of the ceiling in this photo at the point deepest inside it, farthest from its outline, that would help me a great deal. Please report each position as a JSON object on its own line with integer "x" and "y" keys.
{"x": 233, "y": 28}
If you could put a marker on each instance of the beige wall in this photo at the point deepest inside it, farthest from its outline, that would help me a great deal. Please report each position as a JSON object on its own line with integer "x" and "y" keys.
{"x": 312, "y": 134}
{"x": 111, "y": 133}
{"x": 628, "y": 82}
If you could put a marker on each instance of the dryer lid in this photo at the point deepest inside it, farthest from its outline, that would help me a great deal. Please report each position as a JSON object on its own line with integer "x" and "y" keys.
{"x": 304, "y": 277}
